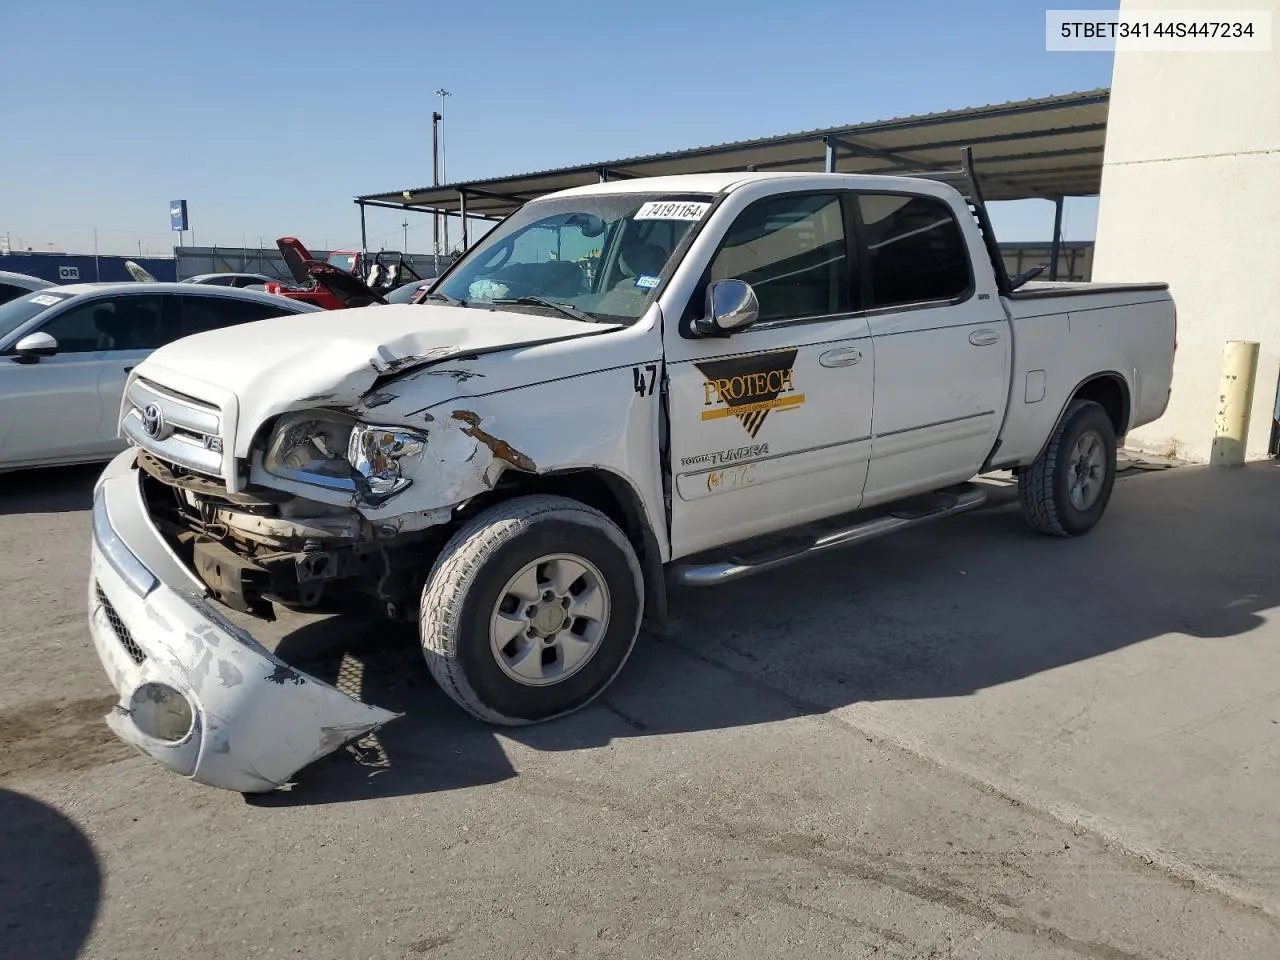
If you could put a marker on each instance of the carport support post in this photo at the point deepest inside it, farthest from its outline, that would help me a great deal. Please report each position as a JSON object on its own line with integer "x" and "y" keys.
{"x": 462, "y": 209}
{"x": 1056, "y": 246}
{"x": 831, "y": 154}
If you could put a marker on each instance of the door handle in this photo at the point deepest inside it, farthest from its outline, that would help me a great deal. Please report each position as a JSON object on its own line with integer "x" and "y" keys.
{"x": 845, "y": 357}
{"x": 983, "y": 338}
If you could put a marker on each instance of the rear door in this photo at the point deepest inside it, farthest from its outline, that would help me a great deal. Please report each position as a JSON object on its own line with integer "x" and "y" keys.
{"x": 942, "y": 345}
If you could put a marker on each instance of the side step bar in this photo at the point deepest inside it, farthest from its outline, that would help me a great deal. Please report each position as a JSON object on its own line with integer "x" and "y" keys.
{"x": 891, "y": 519}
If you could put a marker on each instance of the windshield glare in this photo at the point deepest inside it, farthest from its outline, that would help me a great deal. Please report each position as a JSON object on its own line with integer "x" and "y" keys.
{"x": 17, "y": 312}
{"x": 602, "y": 254}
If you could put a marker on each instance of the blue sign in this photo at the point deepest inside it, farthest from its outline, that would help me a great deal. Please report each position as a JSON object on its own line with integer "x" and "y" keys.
{"x": 178, "y": 215}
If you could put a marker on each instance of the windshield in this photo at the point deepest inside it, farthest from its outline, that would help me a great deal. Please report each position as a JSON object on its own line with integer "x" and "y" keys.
{"x": 603, "y": 254}
{"x": 343, "y": 261}
{"x": 17, "y": 312}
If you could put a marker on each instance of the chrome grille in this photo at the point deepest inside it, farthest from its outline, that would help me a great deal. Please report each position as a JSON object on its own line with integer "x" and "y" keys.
{"x": 183, "y": 430}
{"x": 119, "y": 629}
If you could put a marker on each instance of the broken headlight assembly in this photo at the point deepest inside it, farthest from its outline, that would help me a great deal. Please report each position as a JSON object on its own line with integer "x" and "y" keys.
{"x": 329, "y": 450}
{"x": 386, "y": 457}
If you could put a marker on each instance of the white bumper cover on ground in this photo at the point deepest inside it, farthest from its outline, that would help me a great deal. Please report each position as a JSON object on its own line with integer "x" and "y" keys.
{"x": 197, "y": 693}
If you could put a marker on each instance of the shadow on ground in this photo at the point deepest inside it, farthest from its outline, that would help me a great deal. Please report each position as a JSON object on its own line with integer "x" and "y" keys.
{"x": 943, "y": 611}
{"x": 52, "y": 490}
{"x": 50, "y": 882}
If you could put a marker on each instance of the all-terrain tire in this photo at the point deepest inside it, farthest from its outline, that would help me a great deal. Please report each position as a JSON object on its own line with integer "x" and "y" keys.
{"x": 1045, "y": 486}
{"x": 465, "y": 586}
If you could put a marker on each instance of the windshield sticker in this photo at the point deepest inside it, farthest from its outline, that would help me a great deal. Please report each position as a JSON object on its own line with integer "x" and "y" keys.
{"x": 673, "y": 210}
{"x": 749, "y": 387}
{"x": 647, "y": 281}
{"x": 45, "y": 300}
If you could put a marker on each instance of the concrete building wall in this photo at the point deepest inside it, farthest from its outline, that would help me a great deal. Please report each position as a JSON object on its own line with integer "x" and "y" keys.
{"x": 1191, "y": 195}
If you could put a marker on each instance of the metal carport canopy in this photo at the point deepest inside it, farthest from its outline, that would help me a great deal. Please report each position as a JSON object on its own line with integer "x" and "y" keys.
{"x": 1049, "y": 147}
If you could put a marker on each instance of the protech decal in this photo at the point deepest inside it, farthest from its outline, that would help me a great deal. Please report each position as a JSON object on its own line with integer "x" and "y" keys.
{"x": 749, "y": 387}
{"x": 753, "y": 452}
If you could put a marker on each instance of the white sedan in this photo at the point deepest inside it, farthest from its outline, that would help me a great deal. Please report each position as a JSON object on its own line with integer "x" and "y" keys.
{"x": 66, "y": 352}
{"x": 15, "y": 285}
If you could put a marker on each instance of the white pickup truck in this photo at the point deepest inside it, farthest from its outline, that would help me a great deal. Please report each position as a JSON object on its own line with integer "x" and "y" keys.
{"x": 686, "y": 379}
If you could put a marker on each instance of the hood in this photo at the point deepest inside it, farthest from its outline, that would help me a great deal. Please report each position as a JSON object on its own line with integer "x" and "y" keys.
{"x": 334, "y": 358}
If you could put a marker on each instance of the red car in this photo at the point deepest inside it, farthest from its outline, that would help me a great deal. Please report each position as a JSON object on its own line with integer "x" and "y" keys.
{"x": 347, "y": 279}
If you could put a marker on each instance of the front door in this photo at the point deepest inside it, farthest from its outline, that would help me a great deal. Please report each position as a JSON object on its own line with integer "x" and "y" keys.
{"x": 55, "y": 405}
{"x": 771, "y": 426}
{"x": 53, "y": 402}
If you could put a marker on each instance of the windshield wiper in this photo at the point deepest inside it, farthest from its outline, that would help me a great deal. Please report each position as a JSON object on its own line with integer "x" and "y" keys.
{"x": 572, "y": 312}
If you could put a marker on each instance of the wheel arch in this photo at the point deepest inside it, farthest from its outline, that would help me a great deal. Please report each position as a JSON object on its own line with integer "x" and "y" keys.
{"x": 1110, "y": 390}
{"x": 617, "y": 499}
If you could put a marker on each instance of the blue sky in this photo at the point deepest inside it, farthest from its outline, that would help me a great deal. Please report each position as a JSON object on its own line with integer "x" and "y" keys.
{"x": 268, "y": 117}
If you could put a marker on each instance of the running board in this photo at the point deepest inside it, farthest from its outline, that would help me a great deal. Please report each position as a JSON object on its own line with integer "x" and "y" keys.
{"x": 778, "y": 550}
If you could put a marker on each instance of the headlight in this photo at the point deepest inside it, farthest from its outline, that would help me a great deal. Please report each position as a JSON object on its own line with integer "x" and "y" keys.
{"x": 311, "y": 447}
{"x": 329, "y": 450}
{"x": 385, "y": 456}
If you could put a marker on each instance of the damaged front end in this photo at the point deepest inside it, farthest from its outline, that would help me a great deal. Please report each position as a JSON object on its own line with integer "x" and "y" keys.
{"x": 198, "y": 694}
{"x": 337, "y": 515}
{"x": 330, "y": 515}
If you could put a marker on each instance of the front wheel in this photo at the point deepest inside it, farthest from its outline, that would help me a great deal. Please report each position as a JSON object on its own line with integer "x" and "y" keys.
{"x": 1065, "y": 492}
{"x": 531, "y": 610}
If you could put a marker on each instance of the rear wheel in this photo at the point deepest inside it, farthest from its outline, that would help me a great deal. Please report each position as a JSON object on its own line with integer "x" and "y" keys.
{"x": 1065, "y": 492}
{"x": 531, "y": 610}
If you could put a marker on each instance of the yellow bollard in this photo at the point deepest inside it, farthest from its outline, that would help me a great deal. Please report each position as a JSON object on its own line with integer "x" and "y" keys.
{"x": 1235, "y": 401}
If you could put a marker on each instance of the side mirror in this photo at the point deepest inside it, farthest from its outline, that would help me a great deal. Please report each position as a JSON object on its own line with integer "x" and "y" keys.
{"x": 731, "y": 306}
{"x": 34, "y": 346}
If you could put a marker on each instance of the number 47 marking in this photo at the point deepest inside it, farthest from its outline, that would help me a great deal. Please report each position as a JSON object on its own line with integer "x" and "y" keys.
{"x": 637, "y": 374}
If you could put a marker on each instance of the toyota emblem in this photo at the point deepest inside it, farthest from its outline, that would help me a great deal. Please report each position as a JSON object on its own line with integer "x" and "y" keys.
{"x": 152, "y": 420}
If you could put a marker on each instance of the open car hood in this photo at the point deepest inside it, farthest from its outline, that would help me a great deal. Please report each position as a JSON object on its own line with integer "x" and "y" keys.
{"x": 296, "y": 256}
{"x": 350, "y": 290}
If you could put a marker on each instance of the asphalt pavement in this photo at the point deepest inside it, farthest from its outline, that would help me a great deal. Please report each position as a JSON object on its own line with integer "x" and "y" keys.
{"x": 964, "y": 741}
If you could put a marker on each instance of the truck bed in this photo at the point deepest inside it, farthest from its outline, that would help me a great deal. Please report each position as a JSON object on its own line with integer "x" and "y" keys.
{"x": 1067, "y": 333}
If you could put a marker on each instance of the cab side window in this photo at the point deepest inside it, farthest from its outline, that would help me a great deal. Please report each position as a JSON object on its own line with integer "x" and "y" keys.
{"x": 792, "y": 251}
{"x": 118, "y": 323}
{"x": 915, "y": 250}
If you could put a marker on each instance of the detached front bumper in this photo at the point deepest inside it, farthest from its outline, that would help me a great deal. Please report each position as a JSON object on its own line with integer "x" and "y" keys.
{"x": 198, "y": 694}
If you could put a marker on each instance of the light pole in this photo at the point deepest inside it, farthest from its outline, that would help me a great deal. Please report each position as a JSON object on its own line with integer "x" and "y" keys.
{"x": 436, "y": 117}
{"x": 442, "y": 93}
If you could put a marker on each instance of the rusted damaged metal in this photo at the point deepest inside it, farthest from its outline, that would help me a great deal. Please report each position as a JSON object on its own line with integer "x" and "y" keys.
{"x": 499, "y": 448}
{"x": 378, "y": 399}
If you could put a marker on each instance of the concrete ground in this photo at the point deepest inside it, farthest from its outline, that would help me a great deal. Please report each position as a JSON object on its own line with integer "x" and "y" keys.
{"x": 966, "y": 741}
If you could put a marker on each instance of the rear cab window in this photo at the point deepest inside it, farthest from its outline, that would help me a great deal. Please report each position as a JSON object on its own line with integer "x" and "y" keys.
{"x": 915, "y": 250}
